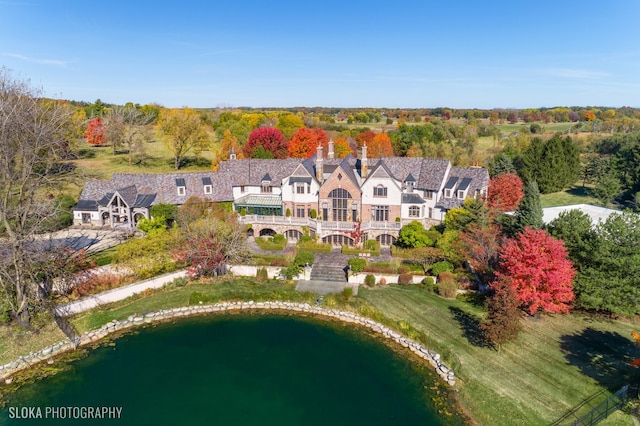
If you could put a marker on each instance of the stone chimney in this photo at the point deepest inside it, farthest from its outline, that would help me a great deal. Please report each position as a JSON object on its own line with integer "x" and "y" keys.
{"x": 319, "y": 159}
{"x": 330, "y": 154}
{"x": 364, "y": 169}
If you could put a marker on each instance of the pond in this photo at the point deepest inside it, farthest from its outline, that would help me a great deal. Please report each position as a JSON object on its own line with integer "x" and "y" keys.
{"x": 238, "y": 370}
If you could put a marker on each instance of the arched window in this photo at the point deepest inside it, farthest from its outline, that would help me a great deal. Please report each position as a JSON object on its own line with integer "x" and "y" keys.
{"x": 379, "y": 191}
{"x": 339, "y": 203}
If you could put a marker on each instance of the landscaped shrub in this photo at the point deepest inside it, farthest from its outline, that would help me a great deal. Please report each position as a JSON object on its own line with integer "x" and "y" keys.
{"x": 356, "y": 264}
{"x": 383, "y": 281}
{"x": 447, "y": 289}
{"x": 290, "y": 271}
{"x": 403, "y": 269}
{"x": 288, "y": 212}
{"x": 304, "y": 257}
{"x": 370, "y": 280}
{"x": 179, "y": 282}
{"x": 305, "y": 239}
{"x": 429, "y": 283}
{"x": 271, "y": 243}
{"x": 445, "y": 276}
{"x": 313, "y": 214}
{"x": 279, "y": 239}
{"x": 380, "y": 268}
{"x": 440, "y": 267}
{"x": 372, "y": 245}
{"x": 262, "y": 275}
{"x": 314, "y": 247}
{"x": 405, "y": 279}
{"x": 347, "y": 292}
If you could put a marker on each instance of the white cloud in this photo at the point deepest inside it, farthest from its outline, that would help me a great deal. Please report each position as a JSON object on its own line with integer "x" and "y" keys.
{"x": 574, "y": 73}
{"x": 42, "y": 61}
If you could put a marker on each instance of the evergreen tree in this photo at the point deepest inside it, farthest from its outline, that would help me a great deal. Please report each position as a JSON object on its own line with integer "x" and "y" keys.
{"x": 553, "y": 164}
{"x": 502, "y": 164}
{"x": 529, "y": 212}
{"x": 609, "y": 276}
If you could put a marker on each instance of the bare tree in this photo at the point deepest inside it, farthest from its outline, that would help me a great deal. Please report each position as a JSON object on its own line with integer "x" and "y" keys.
{"x": 128, "y": 126}
{"x": 32, "y": 144}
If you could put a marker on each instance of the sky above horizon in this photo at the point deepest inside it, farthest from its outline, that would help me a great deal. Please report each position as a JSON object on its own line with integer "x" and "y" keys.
{"x": 404, "y": 54}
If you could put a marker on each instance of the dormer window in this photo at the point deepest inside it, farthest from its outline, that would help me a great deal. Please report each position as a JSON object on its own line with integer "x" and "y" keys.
{"x": 300, "y": 188}
{"x": 379, "y": 191}
{"x": 410, "y": 186}
{"x": 447, "y": 193}
{"x": 181, "y": 186}
{"x": 266, "y": 184}
{"x": 461, "y": 194}
{"x": 207, "y": 185}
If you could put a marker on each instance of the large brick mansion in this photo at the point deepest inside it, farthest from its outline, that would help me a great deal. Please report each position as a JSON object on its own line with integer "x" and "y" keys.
{"x": 329, "y": 196}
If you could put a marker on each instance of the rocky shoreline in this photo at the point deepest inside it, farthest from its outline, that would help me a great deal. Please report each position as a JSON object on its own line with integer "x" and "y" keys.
{"x": 26, "y": 361}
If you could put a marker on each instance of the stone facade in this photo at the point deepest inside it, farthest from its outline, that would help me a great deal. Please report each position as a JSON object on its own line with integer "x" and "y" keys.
{"x": 329, "y": 197}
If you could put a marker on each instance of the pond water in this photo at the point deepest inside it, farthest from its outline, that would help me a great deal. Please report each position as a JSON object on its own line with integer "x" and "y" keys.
{"x": 238, "y": 370}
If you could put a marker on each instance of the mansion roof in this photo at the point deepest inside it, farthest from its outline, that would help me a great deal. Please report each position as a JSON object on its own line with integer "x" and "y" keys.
{"x": 143, "y": 190}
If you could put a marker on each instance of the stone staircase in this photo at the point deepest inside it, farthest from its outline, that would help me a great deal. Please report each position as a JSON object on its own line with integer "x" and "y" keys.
{"x": 325, "y": 271}
{"x": 327, "y": 275}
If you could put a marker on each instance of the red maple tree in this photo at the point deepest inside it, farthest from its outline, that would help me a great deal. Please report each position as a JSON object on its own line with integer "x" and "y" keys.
{"x": 365, "y": 138}
{"x": 270, "y": 139}
{"x": 505, "y": 192}
{"x": 94, "y": 134}
{"x": 305, "y": 141}
{"x": 537, "y": 268}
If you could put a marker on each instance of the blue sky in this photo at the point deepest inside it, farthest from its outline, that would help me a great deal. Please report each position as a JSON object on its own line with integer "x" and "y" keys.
{"x": 402, "y": 54}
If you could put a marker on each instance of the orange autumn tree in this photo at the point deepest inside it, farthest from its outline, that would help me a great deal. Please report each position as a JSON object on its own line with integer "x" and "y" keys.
{"x": 365, "y": 138}
{"x": 94, "y": 134}
{"x": 305, "y": 141}
{"x": 380, "y": 146}
{"x": 342, "y": 148}
{"x": 636, "y": 336}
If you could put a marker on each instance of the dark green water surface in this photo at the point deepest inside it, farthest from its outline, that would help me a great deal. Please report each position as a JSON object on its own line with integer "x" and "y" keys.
{"x": 241, "y": 370}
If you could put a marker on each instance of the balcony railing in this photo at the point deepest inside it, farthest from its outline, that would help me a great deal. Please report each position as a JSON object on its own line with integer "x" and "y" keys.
{"x": 324, "y": 225}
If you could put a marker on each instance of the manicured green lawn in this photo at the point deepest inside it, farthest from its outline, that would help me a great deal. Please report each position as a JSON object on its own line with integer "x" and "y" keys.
{"x": 556, "y": 362}
{"x": 225, "y": 290}
{"x": 577, "y": 194}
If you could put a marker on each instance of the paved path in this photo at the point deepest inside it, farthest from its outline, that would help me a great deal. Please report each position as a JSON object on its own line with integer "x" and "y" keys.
{"x": 116, "y": 294}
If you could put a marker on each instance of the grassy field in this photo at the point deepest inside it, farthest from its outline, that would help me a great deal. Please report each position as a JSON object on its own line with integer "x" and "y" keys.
{"x": 557, "y": 361}
{"x": 577, "y": 194}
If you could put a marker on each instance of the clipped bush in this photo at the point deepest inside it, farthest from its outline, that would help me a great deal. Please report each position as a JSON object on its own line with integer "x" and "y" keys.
{"x": 405, "y": 279}
{"x": 304, "y": 257}
{"x": 403, "y": 269}
{"x": 313, "y": 214}
{"x": 370, "y": 280}
{"x": 262, "y": 275}
{"x": 429, "y": 281}
{"x": 447, "y": 289}
{"x": 356, "y": 264}
{"x": 440, "y": 267}
{"x": 383, "y": 281}
{"x": 279, "y": 239}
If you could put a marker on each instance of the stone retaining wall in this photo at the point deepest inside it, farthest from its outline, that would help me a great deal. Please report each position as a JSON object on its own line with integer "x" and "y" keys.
{"x": 26, "y": 361}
